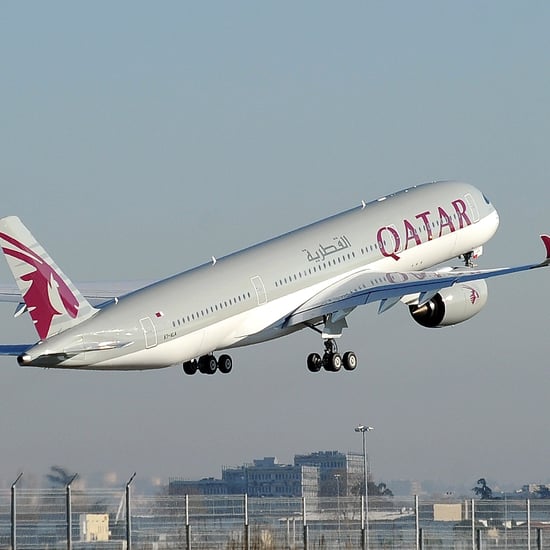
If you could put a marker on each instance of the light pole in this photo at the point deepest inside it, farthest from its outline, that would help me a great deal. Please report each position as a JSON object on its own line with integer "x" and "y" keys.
{"x": 364, "y": 430}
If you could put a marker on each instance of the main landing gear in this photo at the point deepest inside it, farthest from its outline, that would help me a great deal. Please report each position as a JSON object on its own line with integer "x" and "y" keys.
{"x": 469, "y": 257}
{"x": 207, "y": 364}
{"x": 331, "y": 361}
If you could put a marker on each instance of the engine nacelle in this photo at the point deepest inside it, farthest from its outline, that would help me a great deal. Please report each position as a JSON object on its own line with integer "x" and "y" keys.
{"x": 452, "y": 305}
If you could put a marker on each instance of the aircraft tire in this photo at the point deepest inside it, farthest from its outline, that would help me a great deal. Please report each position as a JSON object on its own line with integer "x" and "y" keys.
{"x": 334, "y": 363}
{"x": 314, "y": 362}
{"x": 190, "y": 367}
{"x": 225, "y": 364}
{"x": 208, "y": 364}
{"x": 350, "y": 360}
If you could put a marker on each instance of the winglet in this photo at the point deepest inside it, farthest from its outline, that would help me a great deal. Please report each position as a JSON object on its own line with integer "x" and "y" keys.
{"x": 546, "y": 241}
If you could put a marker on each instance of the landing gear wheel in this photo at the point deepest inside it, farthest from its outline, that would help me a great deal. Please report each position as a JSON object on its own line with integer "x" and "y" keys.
{"x": 314, "y": 362}
{"x": 190, "y": 367}
{"x": 208, "y": 364}
{"x": 225, "y": 364}
{"x": 350, "y": 360}
{"x": 333, "y": 362}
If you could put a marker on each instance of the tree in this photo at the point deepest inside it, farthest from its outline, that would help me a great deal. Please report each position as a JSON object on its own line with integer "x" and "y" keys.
{"x": 59, "y": 476}
{"x": 543, "y": 491}
{"x": 380, "y": 490}
{"x": 383, "y": 490}
{"x": 483, "y": 491}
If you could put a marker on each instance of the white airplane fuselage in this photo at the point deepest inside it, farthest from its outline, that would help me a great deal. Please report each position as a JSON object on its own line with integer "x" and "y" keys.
{"x": 247, "y": 297}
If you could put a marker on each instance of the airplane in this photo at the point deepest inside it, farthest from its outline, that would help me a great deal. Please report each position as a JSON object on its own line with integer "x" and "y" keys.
{"x": 383, "y": 251}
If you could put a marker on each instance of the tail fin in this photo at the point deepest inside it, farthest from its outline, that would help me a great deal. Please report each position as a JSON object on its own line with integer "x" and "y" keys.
{"x": 52, "y": 300}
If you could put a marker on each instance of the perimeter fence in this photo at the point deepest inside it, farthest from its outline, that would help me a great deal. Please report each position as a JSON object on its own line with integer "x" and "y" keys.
{"x": 118, "y": 520}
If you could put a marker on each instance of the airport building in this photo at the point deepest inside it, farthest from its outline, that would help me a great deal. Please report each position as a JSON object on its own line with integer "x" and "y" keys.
{"x": 321, "y": 473}
{"x": 265, "y": 477}
{"x": 339, "y": 473}
{"x": 268, "y": 478}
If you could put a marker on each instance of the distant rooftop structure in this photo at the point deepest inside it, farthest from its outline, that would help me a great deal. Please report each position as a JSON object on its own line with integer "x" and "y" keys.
{"x": 347, "y": 466}
{"x": 205, "y": 486}
{"x": 265, "y": 477}
{"x": 266, "y": 462}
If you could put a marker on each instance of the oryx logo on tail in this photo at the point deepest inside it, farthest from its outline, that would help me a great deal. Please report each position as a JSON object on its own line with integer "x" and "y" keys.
{"x": 43, "y": 282}
{"x": 51, "y": 299}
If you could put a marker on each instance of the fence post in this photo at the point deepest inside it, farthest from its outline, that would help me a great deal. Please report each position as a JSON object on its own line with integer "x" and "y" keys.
{"x": 420, "y": 538}
{"x": 473, "y": 525}
{"x": 187, "y": 526}
{"x": 478, "y": 539}
{"x": 539, "y": 538}
{"x": 129, "y": 514}
{"x": 14, "y": 514}
{"x": 287, "y": 533}
{"x": 69, "y": 514}
{"x": 528, "y": 506}
{"x": 246, "y": 525}
{"x": 304, "y": 519}
{"x": 416, "y": 524}
{"x": 290, "y": 545}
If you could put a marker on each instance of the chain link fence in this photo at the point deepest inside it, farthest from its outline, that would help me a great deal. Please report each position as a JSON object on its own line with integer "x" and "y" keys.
{"x": 98, "y": 519}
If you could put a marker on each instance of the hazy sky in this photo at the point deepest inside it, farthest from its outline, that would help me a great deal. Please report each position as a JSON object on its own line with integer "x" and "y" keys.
{"x": 139, "y": 139}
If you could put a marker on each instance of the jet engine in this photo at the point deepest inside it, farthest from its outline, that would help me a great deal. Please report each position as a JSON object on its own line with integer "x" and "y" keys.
{"x": 451, "y": 305}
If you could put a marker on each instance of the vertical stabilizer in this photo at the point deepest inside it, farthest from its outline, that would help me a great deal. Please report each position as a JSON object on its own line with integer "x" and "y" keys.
{"x": 52, "y": 300}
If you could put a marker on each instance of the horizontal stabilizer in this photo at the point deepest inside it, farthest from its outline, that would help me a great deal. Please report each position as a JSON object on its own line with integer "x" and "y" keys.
{"x": 14, "y": 350}
{"x": 96, "y": 346}
{"x": 52, "y": 360}
{"x": 98, "y": 293}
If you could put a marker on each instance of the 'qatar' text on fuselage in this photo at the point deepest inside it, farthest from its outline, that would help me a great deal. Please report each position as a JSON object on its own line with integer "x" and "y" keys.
{"x": 391, "y": 246}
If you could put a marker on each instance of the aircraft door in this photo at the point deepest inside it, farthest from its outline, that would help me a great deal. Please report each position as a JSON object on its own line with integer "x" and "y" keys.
{"x": 259, "y": 287}
{"x": 472, "y": 206}
{"x": 149, "y": 332}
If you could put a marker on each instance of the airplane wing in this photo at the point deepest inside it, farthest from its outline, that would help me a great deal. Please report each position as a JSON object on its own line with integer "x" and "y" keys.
{"x": 389, "y": 288}
{"x": 96, "y": 293}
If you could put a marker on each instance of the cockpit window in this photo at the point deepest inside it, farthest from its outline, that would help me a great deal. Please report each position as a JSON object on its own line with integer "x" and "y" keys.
{"x": 486, "y": 199}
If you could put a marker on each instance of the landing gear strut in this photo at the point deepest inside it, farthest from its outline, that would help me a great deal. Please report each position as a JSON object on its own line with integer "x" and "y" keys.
{"x": 207, "y": 364}
{"x": 467, "y": 257}
{"x": 331, "y": 361}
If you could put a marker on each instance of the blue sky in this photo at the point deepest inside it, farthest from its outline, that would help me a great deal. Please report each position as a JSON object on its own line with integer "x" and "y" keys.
{"x": 139, "y": 139}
